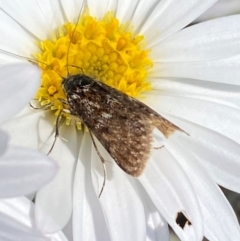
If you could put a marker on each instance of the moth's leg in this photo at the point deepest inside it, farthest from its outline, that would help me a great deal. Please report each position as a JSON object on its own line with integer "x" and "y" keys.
{"x": 63, "y": 101}
{"x": 59, "y": 117}
{"x": 45, "y": 107}
{"x": 159, "y": 147}
{"x": 56, "y": 130}
{"x": 103, "y": 163}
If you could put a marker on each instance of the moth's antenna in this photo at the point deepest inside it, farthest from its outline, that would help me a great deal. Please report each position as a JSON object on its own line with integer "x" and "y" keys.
{"x": 72, "y": 65}
{"x": 79, "y": 15}
{"x": 29, "y": 59}
{"x": 21, "y": 57}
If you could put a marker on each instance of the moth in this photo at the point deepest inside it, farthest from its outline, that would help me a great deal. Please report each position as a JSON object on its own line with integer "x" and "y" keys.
{"x": 122, "y": 124}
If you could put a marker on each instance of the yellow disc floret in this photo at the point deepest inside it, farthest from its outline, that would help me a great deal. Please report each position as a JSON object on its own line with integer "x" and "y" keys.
{"x": 102, "y": 49}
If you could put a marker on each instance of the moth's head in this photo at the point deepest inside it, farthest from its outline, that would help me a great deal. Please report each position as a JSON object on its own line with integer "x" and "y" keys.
{"x": 66, "y": 82}
{"x": 79, "y": 81}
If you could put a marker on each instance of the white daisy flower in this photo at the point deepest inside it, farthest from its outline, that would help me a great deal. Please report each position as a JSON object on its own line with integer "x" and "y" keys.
{"x": 193, "y": 82}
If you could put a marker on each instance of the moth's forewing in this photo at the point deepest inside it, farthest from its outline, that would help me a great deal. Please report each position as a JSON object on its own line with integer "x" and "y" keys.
{"x": 165, "y": 126}
{"x": 125, "y": 134}
{"x": 122, "y": 124}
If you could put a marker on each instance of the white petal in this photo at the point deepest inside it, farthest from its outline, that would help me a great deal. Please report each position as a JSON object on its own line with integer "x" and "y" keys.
{"x": 47, "y": 16}
{"x": 218, "y": 154}
{"x": 171, "y": 192}
{"x": 157, "y": 227}
{"x": 15, "y": 228}
{"x": 54, "y": 201}
{"x": 88, "y": 218}
{"x": 141, "y": 13}
{"x": 18, "y": 84}
{"x": 121, "y": 204}
{"x": 3, "y": 142}
{"x": 219, "y": 38}
{"x": 99, "y": 8}
{"x": 125, "y": 10}
{"x": 220, "y": 118}
{"x": 31, "y": 128}
{"x": 220, "y": 71}
{"x": 221, "y": 8}
{"x": 23, "y": 171}
{"x": 170, "y": 16}
{"x": 21, "y": 210}
{"x": 18, "y": 41}
{"x": 59, "y": 236}
{"x": 220, "y": 222}
{"x": 68, "y": 230}
{"x": 219, "y": 93}
{"x": 72, "y": 9}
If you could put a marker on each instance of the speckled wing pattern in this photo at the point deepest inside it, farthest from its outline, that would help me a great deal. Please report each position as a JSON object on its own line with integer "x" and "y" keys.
{"x": 122, "y": 124}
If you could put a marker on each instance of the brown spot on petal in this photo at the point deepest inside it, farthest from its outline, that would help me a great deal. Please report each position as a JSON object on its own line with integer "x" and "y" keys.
{"x": 182, "y": 220}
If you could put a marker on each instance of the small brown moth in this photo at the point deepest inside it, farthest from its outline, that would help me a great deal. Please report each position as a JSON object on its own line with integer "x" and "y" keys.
{"x": 122, "y": 124}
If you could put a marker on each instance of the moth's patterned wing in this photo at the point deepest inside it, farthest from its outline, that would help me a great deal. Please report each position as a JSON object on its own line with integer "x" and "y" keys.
{"x": 164, "y": 125}
{"x": 125, "y": 133}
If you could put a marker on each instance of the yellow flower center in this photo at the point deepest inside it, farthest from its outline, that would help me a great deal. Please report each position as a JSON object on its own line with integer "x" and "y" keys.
{"x": 102, "y": 49}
